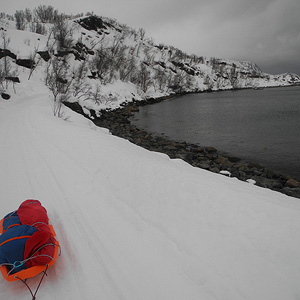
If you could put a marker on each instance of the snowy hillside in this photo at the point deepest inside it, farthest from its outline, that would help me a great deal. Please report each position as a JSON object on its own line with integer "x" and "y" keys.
{"x": 100, "y": 63}
{"x": 135, "y": 224}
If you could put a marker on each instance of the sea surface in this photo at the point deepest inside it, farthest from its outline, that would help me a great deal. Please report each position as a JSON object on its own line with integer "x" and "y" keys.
{"x": 261, "y": 126}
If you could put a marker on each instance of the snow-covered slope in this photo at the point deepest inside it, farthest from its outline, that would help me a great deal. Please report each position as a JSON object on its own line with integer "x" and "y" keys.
{"x": 104, "y": 63}
{"x": 134, "y": 224}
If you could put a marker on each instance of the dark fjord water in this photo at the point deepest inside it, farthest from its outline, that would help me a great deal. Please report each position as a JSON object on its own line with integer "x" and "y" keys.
{"x": 261, "y": 126}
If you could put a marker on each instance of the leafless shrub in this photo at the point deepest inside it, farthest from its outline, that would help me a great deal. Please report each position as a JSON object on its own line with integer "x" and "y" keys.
{"x": 59, "y": 82}
{"x": 80, "y": 87}
{"x": 46, "y": 14}
{"x": 37, "y": 27}
{"x": 62, "y": 32}
{"x": 5, "y": 65}
{"x": 20, "y": 19}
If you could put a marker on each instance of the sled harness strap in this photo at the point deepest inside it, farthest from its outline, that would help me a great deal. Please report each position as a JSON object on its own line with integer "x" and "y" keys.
{"x": 34, "y": 294}
{"x": 17, "y": 264}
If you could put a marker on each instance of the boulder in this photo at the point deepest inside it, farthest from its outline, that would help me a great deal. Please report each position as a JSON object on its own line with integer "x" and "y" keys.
{"x": 61, "y": 80}
{"x": 13, "y": 79}
{"x": 224, "y": 162}
{"x": 26, "y": 63}
{"x": 5, "y": 96}
{"x": 255, "y": 165}
{"x": 233, "y": 159}
{"x": 62, "y": 53}
{"x": 210, "y": 149}
{"x": 92, "y": 23}
{"x": 263, "y": 182}
{"x": 292, "y": 183}
{"x": 44, "y": 55}
{"x": 5, "y": 52}
{"x": 268, "y": 173}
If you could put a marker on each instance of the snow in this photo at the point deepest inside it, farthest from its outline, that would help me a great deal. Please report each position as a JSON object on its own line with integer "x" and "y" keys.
{"x": 24, "y": 45}
{"x": 135, "y": 224}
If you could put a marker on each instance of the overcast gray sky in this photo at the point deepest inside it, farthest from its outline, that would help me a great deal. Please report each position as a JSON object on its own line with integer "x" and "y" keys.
{"x": 266, "y": 32}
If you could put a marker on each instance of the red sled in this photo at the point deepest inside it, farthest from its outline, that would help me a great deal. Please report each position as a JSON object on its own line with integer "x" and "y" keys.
{"x": 33, "y": 216}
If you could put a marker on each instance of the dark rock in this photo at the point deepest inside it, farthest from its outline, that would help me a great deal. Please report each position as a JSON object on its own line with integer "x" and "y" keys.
{"x": 256, "y": 166}
{"x": 6, "y": 52}
{"x": 26, "y": 63}
{"x": 224, "y": 162}
{"x": 287, "y": 191}
{"x": 268, "y": 173}
{"x": 240, "y": 175}
{"x": 92, "y": 23}
{"x": 210, "y": 156}
{"x": 233, "y": 159}
{"x": 292, "y": 183}
{"x": 170, "y": 147}
{"x": 62, "y": 53}
{"x": 203, "y": 165}
{"x": 75, "y": 107}
{"x": 45, "y": 55}
{"x": 296, "y": 193}
{"x": 210, "y": 149}
{"x": 91, "y": 52}
{"x": 5, "y": 96}
{"x": 277, "y": 185}
{"x": 199, "y": 149}
{"x": 215, "y": 170}
{"x": 13, "y": 79}
{"x": 61, "y": 80}
{"x": 263, "y": 182}
{"x": 80, "y": 50}
{"x": 256, "y": 172}
{"x": 241, "y": 167}
{"x": 248, "y": 171}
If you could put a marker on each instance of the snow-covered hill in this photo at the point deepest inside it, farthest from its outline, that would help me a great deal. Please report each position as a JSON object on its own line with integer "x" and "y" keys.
{"x": 101, "y": 63}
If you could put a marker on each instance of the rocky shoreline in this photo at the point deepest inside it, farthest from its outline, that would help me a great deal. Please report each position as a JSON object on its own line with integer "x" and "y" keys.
{"x": 209, "y": 158}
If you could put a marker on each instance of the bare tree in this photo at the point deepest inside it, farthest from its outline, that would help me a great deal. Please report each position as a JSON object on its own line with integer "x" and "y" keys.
{"x": 33, "y": 59}
{"x": 233, "y": 76}
{"x": 102, "y": 63}
{"x": 57, "y": 82}
{"x": 142, "y": 33}
{"x": 161, "y": 79}
{"x": 20, "y": 19}
{"x": 144, "y": 76}
{"x": 38, "y": 27}
{"x": 28, "y": 15}
{"x": 46, "y": 14}
{"x": 99, "y": 98}
{"x": 208, "y": 82}
{"x": 128, "y": 68}
{"x": 95, "y": 95}
{"x": 80, "y": 87}
{"x": 5, "y": 66}
{"x": 62, "y": 32}
{"x": 2, "y": 75}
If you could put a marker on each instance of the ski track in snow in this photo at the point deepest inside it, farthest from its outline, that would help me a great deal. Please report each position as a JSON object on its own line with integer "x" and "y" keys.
{"x": 134, "y": 224}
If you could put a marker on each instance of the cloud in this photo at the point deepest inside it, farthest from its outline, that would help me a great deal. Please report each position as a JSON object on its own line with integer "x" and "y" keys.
{"x": 266, "y": 32}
